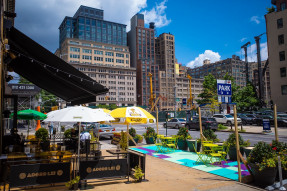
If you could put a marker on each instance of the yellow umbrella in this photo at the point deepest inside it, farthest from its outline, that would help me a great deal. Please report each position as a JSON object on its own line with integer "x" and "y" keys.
{"x": 104, "y": 110}
{"x": 131, "y": 115}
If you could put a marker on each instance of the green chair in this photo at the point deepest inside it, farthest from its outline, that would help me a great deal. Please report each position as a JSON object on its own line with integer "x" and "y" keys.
{"x": 202, "y": 158}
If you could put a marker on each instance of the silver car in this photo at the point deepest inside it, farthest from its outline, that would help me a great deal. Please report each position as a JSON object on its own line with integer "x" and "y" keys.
{"x": 175, "y": 123}
{"x": 104, "y": 130}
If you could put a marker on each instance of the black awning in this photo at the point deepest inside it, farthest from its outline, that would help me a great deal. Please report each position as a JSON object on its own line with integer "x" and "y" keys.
{"x": 46, "y": 70}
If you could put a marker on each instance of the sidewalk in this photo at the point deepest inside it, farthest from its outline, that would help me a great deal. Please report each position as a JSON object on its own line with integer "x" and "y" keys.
{"x": 282, "y": 131}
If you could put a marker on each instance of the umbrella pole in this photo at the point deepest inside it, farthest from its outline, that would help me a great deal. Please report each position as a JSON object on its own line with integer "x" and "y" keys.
{"x": 127, "y": 135}
{"x": 79, "y": 147}
{"x": 28, "y": 128}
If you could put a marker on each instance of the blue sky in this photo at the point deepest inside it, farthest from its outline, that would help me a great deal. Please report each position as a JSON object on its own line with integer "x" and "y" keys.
{"x": 202, "y": 29}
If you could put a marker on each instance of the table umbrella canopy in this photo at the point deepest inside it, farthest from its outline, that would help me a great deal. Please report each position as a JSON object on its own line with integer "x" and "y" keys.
{"x": 104, "y": 110}
{"x": 29, "y": 114}
{"x": 132, "y": 115}
{"x": 78, "y": 114}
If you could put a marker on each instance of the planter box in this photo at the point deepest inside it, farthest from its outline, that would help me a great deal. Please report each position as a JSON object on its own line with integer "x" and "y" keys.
{"x": 191, "y": 145}
{"x": 247, "y": 150}
{"x": 131, "y": 143}
{"x": 232, "y": 153}
{"x": 263, "y": 178}
{"x": 181, "y": 144}
{"x": 150, "y": 140}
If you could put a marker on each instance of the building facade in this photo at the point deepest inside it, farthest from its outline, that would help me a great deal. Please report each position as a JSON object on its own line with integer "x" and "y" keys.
{"x": 105, "y": 58}
{"x": 89, "y": 24}
{"x": 141, "y": 41}
{"x": 233, "y": 66}
{"x": 276, "y": 28}
{"x": 165, "y": 59}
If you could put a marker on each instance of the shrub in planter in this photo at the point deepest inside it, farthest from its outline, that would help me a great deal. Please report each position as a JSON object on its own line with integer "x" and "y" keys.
{"x": 231, "y": 144}
{"x": 132, "y": 132}
{"x": 42, "y": 135}
{"x": 123, "y": 141}
{"x": 73, "y": 184}
{"x": 210, "y": 135}
{"x": 182, "y": 136}
{"x": 150, "y": 135}
{"x": 138, "y": 174}
{"x": 281, "y": 149}
{"x": 139, "y": 138}
{"x": 263, "y": 161}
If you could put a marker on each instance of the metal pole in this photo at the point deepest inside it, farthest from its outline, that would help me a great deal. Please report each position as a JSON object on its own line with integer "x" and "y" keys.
{"x": 79, "y": 145}
{"x": 257, "y": 40}
{"x": 166, "y": 116}
{"x": 175, "y": 104}
{"x": 275, "y": 122}
{"x": 156, "y": 120}
{"x": 127, "y": 135}
{"x": 237, "y": 143}
{"x": 246, "y": 60}
{"x": 200, "y": 124}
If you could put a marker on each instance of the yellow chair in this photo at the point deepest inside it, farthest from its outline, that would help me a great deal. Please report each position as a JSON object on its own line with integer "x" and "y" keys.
{"x": 172, "y": 144}
{"x": 202, "y": 158}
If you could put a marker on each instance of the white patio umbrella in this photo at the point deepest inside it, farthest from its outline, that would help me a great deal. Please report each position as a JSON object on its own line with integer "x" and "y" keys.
{"x": 78, "y": 114}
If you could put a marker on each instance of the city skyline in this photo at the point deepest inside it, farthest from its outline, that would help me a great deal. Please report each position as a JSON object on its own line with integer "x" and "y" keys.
{"x": 210, "y": 19}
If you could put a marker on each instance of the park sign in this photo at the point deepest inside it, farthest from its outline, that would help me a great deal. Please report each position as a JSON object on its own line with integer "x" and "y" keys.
{"x": 224, "y": 88}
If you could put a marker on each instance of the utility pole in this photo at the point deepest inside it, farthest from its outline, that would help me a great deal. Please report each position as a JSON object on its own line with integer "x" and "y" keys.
{"x": 257, "y": 40}
{"x": 246, "y": 61}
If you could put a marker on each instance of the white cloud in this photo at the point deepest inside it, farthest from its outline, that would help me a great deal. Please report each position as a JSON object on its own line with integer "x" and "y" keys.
{"x": 252, "y": 52}
{"x": 208, "y": 54}
{"x": 157, "y": 15}
{"x": 41, "y": 21}
{"x": 255, "y": 19}
{"x": 243, "y": 39}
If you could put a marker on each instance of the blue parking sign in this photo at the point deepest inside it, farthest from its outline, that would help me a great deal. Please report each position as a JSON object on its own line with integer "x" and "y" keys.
{"x": 266, "y": 125}
{"x": 224, "y": 87}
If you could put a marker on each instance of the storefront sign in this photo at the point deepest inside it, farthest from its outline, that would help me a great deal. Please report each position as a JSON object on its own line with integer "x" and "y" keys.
{"x": 24, "y": 89}
{"x": 35, "y": 174}
{"x": 103, "y": 168}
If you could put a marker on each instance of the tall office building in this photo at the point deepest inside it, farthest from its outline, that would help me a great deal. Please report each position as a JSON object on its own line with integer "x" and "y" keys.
{"x": 276, "y": 28}
{"x": 89, "y": 24}
{"x": 141, "y": 42}
{"x": 234, "y": 66}
{"x": 99, "y": 51}
{"x": 165, "y": 58}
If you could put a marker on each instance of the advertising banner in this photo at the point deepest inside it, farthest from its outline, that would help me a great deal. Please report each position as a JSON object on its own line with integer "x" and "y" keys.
{"x": 35, "y": 174}
{"x": 103, "y": 168}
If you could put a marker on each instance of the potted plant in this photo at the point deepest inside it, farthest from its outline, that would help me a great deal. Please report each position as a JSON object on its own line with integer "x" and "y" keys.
{"x": 231, "y": 144}
{"x": 281, "y": 149}
{"x": 150, "y": 135}
{"x": 73, "y": 184}
{"x": 182, "y": 136}
{"x": 210, "y": 135}
{"x": 139, "y": 138}
{"x": 138, "y": 174}
{"x": 42, "y": 135}
{"x": 263, "y": 161}
{"x": 123, "y": 141}
{"x": 133, "y": 133}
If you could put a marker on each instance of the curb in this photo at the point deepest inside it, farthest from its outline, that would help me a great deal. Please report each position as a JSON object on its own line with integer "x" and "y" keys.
{"x": 259, "y": 133}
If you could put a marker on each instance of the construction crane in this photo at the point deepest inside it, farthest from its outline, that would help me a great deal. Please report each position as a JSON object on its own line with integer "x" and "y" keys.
{"x": 155, "y": 103}
{"x": 152, "y": 96}
{"x": 189, "y": 101}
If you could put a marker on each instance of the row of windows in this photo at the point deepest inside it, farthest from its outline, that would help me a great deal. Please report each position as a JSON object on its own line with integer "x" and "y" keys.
{"x": 97, "y": 46}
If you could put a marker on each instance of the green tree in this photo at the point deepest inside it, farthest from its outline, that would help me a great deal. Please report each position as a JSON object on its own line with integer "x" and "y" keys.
{"x": 246, "y": 97}
{"x": 209, "y": 94}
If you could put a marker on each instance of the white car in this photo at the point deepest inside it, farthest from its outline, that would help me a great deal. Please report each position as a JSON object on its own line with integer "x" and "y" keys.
{"x": 226, "y": 119}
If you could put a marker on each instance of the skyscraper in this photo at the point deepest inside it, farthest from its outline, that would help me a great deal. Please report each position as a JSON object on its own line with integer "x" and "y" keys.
{"x": 88, "y": 24}
{"x": 141, "y": 42}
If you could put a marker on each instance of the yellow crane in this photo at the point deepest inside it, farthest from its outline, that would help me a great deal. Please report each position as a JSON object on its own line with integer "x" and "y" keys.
{"x": 152, "y": 96}
{"x": 189, "y": 101}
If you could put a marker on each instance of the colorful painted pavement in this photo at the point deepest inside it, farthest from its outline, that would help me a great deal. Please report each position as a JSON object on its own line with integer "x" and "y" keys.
{"x": 227, "y": 169}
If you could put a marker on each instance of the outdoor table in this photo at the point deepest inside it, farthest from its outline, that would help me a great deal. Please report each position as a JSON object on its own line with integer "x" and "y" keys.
{"x": 117, "y": 152}
{"x": 209, "y": 145}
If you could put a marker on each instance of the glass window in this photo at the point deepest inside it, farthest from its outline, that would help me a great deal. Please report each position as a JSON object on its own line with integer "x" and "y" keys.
{"x": 282, "y": 55}
{"x": 281, "y": 39}
{"x": 283, "y": 72}
{"x": 279, "y": 23}
{"x": 284, "y": 89}
{"x": 283, "y": 6}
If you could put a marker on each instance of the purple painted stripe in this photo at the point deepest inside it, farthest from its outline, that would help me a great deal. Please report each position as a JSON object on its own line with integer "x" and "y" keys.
{"x": 145, "y": 149}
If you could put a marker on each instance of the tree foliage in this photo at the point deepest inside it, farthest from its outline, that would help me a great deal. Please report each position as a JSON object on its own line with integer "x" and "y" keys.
{"x": 245, "y": 97}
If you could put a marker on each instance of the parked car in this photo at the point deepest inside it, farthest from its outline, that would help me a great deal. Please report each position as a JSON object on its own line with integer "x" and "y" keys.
{"x": 226, "y": 119}
{"x": 207, "y": 123}
{"x": 253, "y": 116}
{"x": 259, "y": 119}
{"x": 175, "y": 123}
{"x": 244, "y": 118}
{"x": 104, "y": 130}
{"x": 282, "y": 120}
